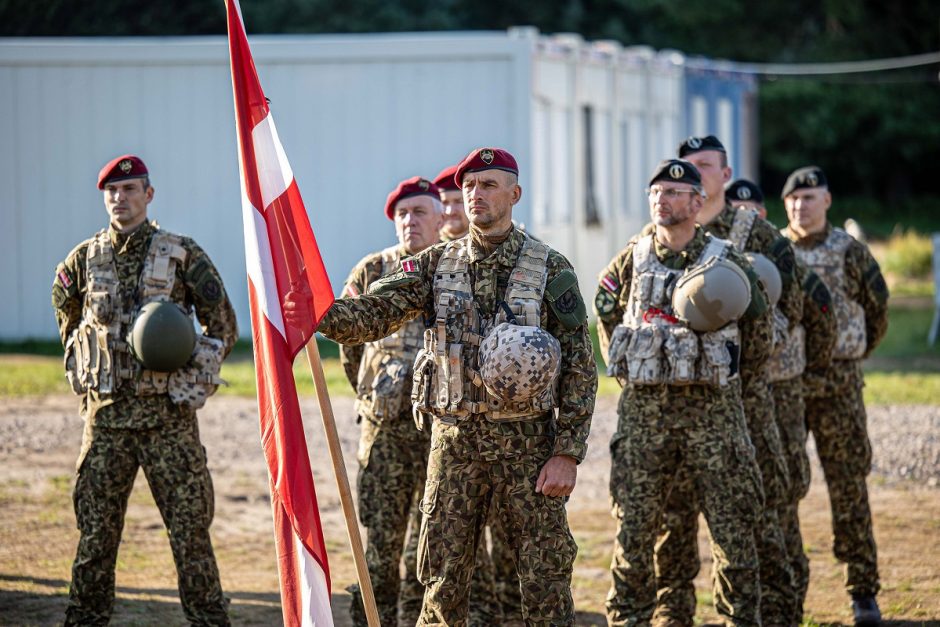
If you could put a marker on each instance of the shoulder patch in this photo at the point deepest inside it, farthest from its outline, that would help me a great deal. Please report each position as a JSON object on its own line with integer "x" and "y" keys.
{"x": 350, "y": 290}
{"x": 781, "y": 252}
{"x": 565, "y": 300}
{"x": 818, "y": 292}
{"x": 205, "y": 283}
{"x": 392, "y": 281}
{"x": 876, "y": 282}
{"x": 610, "y": 283}
{"x": 604, "y": 303}
{"x": 63, "y": 286}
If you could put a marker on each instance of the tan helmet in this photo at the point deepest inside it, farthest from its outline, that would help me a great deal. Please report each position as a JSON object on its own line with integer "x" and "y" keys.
{"x": 711, "y": 295}
{"x": 518, "y": 363}
{"x": 162, "y": 337}
{"x": 768, "y": 274}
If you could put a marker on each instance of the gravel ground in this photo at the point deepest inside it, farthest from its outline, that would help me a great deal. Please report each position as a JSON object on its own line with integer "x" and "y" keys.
{"x": 41, "y": 436}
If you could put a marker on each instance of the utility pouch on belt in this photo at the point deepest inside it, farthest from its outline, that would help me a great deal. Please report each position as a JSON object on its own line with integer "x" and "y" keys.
{"x": 644, "y": 360}
{"x": 720, "y": 353}
{"x": 681, "y": 348}
{"x": 193, "y": 384}
{"x": 617, "y": 352}
{"x": 73, "y": 359}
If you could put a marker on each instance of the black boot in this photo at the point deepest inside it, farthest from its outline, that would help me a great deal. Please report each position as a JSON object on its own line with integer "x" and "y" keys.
{"x": 866, "y": 611}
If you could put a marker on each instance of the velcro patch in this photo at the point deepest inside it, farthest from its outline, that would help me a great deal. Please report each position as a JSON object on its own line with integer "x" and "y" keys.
{"x": 409, "y": 265}
{"x": 610, "y": 283}
{"x": 64, "y": 279}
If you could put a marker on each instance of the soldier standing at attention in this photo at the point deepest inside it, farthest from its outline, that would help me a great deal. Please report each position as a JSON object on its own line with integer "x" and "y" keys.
{"x": 677, "y": 550}
{"x": 681, "y": 403}
{"x": 507, "y": 372}
{"x": 393, "y": 453}
{"x": 139, "y": 398}
{"x": 808, "y": 348}
{"x": 456, "y": 224}
{"x": 835, "y": 410}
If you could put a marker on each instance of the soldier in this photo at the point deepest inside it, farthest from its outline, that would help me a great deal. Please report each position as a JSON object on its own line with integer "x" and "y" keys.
{"x": 681, "y": 403}
{"x": 677, "y": 550}
{"x": 139, "y": 399}
{"x": 507, "y": 345}
{"x": 835, "y": 411}
{"x": 456, "y": 224}
{"x": 744, "y": 193}
{"x": 393, "y": 453}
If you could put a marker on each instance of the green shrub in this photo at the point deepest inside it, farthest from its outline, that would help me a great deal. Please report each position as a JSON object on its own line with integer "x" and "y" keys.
{"x": 909, "y": 254}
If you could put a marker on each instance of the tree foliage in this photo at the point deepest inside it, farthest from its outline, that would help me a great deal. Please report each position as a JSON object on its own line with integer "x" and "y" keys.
{"x": 876, "y": 134}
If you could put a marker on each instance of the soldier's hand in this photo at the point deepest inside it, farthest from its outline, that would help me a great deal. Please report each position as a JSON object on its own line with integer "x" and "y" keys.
{"x": 558, "y": 476}
{"x": 298, "y": 306}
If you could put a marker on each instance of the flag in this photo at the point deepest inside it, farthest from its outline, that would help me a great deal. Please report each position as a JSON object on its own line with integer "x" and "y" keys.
{"x": 282, "y": 256}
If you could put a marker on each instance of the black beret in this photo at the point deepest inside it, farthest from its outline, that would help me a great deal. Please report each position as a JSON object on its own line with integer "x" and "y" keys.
{"x": 743, "y": 189}
{"x": 810, "y": 176}
{"x": 677, "y": 171}
{"x": 697, "y": 144}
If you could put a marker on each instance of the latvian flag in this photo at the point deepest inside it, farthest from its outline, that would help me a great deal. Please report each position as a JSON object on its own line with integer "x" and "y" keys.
{"x": 281, "y": 256}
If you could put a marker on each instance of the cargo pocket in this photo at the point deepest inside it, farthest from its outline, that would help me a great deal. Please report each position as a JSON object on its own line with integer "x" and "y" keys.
{"x": 430, "y": 559}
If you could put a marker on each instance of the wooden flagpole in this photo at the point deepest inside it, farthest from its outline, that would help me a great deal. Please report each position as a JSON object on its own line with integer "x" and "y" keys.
{"x": 342, "y": 481}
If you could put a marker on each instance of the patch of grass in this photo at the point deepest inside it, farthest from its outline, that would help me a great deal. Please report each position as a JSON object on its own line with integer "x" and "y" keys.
{"x": 902, "y": 388}
{"x": 909, "y": 254}
{"x": 907, "y": 333}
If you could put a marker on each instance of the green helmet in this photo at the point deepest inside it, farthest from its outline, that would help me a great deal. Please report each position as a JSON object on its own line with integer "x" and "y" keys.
{"x": 768, "y": 274}
{"x": 711, "y": 295}
{"x": 162, "y": 337}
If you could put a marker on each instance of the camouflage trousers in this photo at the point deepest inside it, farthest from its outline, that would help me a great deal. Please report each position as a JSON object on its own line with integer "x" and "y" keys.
{"x": 392, "y": 460}
{"x": 485, "y": 608}
{"x": 504, "y": 574}
{"x": 677, "y": 558}
{"x": 477, "y": 469}
{"x": 701, "y": 431}
{"x": 839, "y": 426}
{"x": 174, "y": 463}
{"x": 791, "y": 420}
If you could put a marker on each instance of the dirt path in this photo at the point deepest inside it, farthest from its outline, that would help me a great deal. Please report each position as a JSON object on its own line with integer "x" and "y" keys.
{"x": 39, "y": 440}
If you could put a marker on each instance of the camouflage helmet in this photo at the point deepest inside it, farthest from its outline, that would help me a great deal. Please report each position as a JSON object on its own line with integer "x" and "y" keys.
{"x": 769, "y": 276}
{"x": 518, "y": 362}
{"x": 711, "y": 295}
{"x": 162, "y": 337}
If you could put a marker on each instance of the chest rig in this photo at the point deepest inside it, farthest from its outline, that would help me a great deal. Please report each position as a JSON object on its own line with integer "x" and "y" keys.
{"x": 788, "y": 359}
{"x": 651, "y": 346}
{"x": 828, "y": 261}
{"x": 386, "y": 366}
{"x": 97, "y": 356}
{"x": 447, "y": 381}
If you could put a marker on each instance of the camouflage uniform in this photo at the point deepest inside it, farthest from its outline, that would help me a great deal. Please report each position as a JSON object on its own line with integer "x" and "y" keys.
{"x": 677, "y": 547}
{"x": 835, "y": 410}
{"x": 393, "y": 456}
{"x": 697, "y": 428}
{"x": 810, "y": 350}
{"x": 125, "y": 431}
{"x": 479, "y": 463}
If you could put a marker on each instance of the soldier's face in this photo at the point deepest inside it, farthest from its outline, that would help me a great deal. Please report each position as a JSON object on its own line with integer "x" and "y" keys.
{"x": 417, "y": 223}
{"x": 806, "y": 209}
{"x": 750, "y": 204}
{"x": 455, "y": 218}
{"x": 489, "y": 196}
{"x": 714, "y": 174}
{"x": 673, "y": 203}
{"x": 126, "y": 202}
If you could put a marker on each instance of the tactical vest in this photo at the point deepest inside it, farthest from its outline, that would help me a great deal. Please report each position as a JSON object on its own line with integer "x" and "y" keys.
{"x": 828, "y": 261}
{"x": 386, "y": 367}
{"x": 447, "y": 380}
{"x": 789, "y": 357}
{"x": 97, "y": 356}
{"x": 652, "y": 346}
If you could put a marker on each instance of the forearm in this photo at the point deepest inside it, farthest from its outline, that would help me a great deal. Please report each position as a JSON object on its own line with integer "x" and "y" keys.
{"x": 577, "y": 388}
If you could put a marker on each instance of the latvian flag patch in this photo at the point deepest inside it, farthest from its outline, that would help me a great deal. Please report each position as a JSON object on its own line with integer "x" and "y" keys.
{"x": 610, "y": 283}
{"x": 408, "y": 265}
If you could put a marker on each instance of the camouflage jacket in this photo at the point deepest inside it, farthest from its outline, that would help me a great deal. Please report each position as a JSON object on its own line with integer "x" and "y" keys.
{"x": 401, "y": 296}
{"x": 198, "y": 285}
{"x": 865, "y": 285}
{"x": 613, "y": 297}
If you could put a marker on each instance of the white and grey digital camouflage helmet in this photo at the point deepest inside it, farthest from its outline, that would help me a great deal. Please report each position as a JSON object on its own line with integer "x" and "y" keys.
{"x": 518, "y": 363}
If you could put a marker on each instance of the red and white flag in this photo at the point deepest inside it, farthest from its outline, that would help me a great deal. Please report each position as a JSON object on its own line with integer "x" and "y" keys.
{"x": 282, "y": 256}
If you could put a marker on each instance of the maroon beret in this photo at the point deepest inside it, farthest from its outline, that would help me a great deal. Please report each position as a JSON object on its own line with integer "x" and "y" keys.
{"x": 486, "y": 159}
{"x": 445, "y": 180}
{"x": 415, "y": 186}
{"x": 120, "y": 168}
